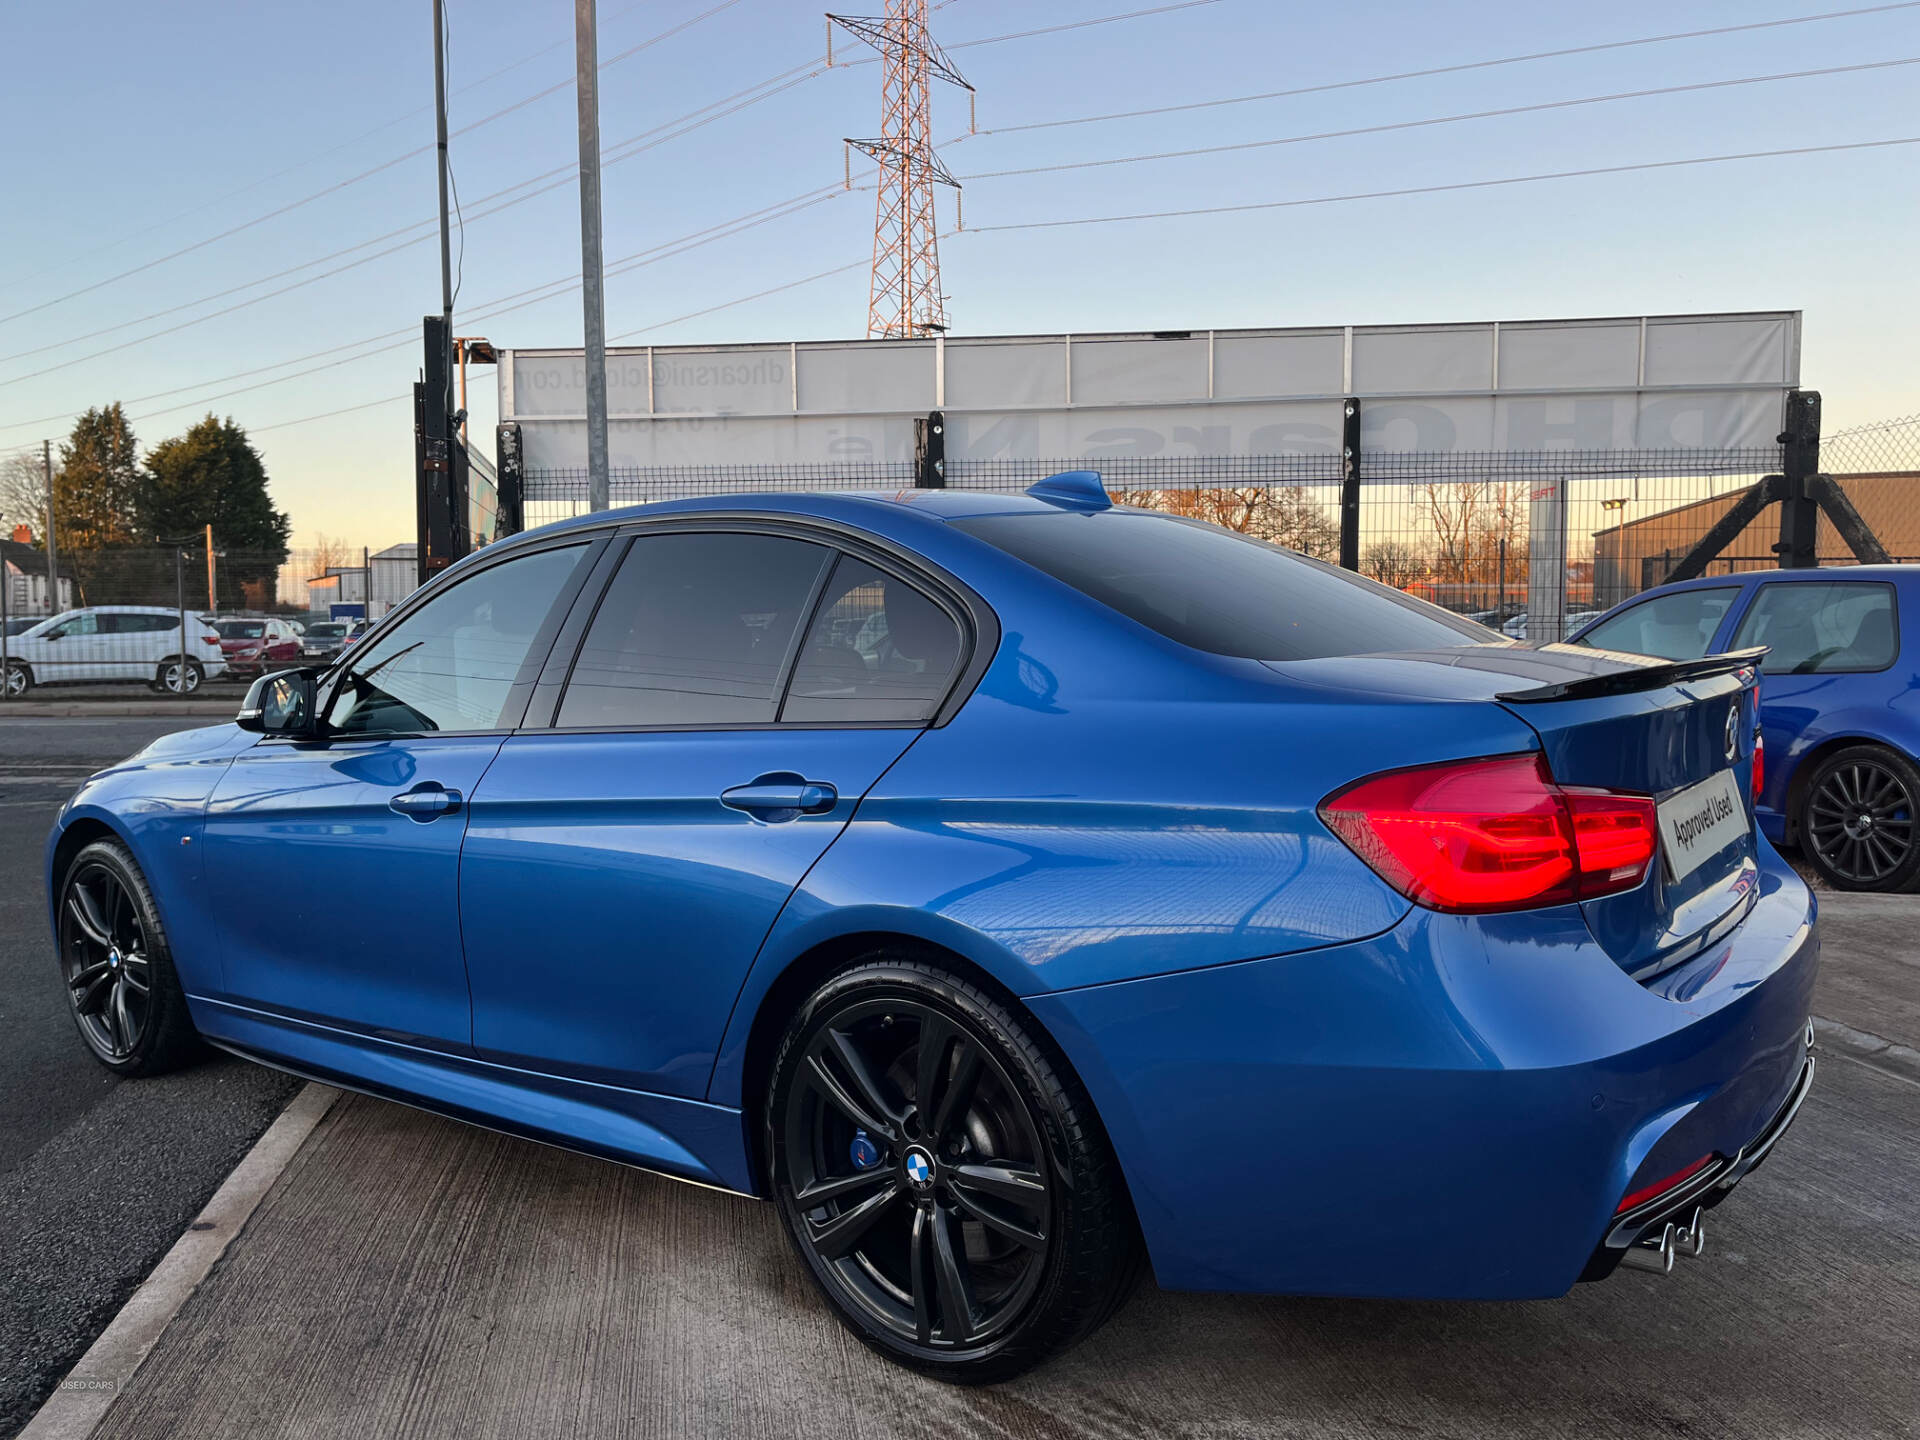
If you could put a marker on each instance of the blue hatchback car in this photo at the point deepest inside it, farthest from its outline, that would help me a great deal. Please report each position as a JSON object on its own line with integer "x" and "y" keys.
{"x": 1839, "y": 703}
{"x": 1016, "y": 890}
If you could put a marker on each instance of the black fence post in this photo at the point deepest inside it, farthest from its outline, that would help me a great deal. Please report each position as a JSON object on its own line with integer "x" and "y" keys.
{"x": 930, "y": 452}
{"x": 510, "y": 476}
{"x": 1799, "y": 463}
{"x": 1350, "y": 486}
{"x": 437, "y": 520}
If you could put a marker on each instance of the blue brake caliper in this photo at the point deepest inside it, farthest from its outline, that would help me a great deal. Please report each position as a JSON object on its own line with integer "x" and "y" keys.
{"x": 864, "y": 1152}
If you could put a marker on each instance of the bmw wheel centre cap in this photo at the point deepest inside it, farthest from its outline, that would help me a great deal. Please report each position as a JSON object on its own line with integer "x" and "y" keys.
{"x": 919, "y": 1165}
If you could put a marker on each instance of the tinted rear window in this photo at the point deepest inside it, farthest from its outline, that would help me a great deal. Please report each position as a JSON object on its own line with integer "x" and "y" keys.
{"x": 1221, "y": 592}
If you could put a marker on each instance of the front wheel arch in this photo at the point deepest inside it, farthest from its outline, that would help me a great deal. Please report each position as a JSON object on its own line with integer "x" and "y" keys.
{"x": 76, "y": 837}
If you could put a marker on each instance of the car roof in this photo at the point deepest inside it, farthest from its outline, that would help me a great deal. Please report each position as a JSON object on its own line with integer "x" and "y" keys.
{"x": 1828, "y": 572}
{"x": 826, "y": 504}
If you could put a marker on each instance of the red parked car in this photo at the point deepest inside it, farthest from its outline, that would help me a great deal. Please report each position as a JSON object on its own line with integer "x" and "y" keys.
{"x": 255, "y": 646}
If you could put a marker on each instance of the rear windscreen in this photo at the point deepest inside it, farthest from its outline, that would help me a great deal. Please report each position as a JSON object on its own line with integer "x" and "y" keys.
{"x": 1221, "y": 592}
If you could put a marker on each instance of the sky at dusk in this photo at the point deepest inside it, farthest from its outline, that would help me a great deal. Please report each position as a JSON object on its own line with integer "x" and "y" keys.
{"x": 138, "y": 133}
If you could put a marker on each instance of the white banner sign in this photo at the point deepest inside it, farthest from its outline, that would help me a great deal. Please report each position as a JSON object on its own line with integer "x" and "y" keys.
{"x": 1658, "y": 383}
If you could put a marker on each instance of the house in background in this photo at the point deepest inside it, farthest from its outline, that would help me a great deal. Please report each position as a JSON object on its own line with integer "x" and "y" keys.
{"x": 369, "y": 590}
{"x": 25, "y": 570}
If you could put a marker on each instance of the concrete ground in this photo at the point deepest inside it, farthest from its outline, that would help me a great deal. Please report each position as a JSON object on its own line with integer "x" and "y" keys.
{"x": 97, "y": 1176}
{"x": 409, "y": 1276}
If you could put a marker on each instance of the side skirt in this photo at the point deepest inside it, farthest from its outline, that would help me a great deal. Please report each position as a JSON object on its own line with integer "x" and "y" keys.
{"x": 688, "y": 1140}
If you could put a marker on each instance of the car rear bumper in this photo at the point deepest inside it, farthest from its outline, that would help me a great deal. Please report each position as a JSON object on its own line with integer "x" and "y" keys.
{"x": 1636, "y": 1226}
{"x": 1452, "y": 1109}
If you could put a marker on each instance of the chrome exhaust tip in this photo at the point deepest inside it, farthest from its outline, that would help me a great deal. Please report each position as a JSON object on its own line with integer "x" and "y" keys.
{"x": 1691, "y": 1239}
{"x": 1653, "y": 1254}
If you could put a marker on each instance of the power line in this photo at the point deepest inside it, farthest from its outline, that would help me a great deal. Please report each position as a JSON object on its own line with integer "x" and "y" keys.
{"x": 485, "y": 310}
{"x": 744, "y": 299}
{"x": 553, "y": 290}
{"x": 555, "y": 178}
{"x": 1311, "y": 137}
{"x": 1088, "y": 24}
{"x": 656, "y": 325}
{"x": 547, "y": 181}
{"x": 364, "y": 174}
{"x": 329, "y": 414}
{"x": 1443, "y": 119}
{"x": 312, "y": 159}
{"x": 1440, "y": 189}
{"x": 1456, "y": 69}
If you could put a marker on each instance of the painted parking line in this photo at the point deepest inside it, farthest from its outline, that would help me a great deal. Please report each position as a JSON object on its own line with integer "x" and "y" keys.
{"x": 82, "y": 1399}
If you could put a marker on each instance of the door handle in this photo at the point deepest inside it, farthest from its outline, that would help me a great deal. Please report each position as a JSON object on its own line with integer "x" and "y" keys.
{"x": 780, "y": 796}
{"x": 425, "y": 801}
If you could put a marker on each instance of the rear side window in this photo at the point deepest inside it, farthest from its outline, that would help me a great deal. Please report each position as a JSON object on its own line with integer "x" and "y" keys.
{"x": 878, "y": 650}
{"x": 694, "y": 630}
{"x": 1815, "y": 628}
{"x": 1221, "y": 592}
{"x": 1679, "y": 626}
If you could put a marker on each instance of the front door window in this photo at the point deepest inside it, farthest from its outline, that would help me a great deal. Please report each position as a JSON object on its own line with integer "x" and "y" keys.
{"x": 450, "y": 665}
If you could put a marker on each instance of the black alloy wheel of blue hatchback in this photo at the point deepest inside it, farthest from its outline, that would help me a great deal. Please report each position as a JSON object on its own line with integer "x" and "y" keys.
{"x": 1858, "y": 819}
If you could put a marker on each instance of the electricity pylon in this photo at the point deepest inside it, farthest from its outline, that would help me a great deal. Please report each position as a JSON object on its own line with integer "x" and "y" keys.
{"x": 905, "y": 297}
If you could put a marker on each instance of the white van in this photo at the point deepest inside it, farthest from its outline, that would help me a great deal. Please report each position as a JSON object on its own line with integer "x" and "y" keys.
{"x": 114, "y": 642}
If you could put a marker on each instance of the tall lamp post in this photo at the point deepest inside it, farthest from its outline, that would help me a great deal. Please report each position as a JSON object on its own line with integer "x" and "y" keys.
{"x": 592, "y": 277}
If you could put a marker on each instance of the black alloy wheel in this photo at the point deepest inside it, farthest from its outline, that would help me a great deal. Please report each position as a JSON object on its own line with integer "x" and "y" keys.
{"x": 942, "y": 1178}
{"x": 120, "y": 982}
{"x": 1857, "y": 820}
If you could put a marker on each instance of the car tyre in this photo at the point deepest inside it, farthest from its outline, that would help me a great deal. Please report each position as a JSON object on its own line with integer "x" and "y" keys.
{"x": 969, "y": 1243}
{"x": 19, "y": 680}
{"x": 173, "y": 680}
{"x": 122, "y": 990}
{"x": 1859, "y": 821}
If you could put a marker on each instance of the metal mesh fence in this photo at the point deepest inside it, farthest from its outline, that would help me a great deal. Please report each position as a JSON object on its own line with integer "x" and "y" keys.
{"x": 1455, "y": 527}
{"x": 1458, "y": 528}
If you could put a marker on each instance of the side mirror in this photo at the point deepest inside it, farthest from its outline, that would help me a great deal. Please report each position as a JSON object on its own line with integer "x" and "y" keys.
{"x": 281, "y": 704}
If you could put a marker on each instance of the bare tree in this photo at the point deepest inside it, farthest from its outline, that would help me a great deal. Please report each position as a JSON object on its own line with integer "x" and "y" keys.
{"x": 23, "y": 493}
{"x": 1452, "y": 510}
{"x": 1394, "y": 562}
{"x": 330, "y": 552}
{"x": 1287, "y": 515}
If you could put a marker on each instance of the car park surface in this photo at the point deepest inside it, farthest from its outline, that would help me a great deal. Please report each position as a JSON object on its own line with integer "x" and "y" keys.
{"x": 412, "y": 1276}
{"x": 1481, "y": 1176}
{"x": 97, "y": 1177}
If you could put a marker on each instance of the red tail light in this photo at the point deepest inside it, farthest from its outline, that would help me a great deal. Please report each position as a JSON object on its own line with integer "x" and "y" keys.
{"x": 1759, "y": 765}
{"x": 1496, "y": 834}
{"x": 1660, "y": 1187}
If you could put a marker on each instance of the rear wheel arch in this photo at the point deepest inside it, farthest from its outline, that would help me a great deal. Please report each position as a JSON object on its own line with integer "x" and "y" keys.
{"x": 811, "y": 969}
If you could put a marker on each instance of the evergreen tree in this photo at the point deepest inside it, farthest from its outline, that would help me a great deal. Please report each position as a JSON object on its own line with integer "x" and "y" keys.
{"x": 213, "y": 476}
{"x": 96, "y": 485}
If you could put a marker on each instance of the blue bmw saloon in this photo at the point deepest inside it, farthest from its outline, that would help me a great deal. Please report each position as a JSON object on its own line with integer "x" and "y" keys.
{"x": 1018, "y": 891}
